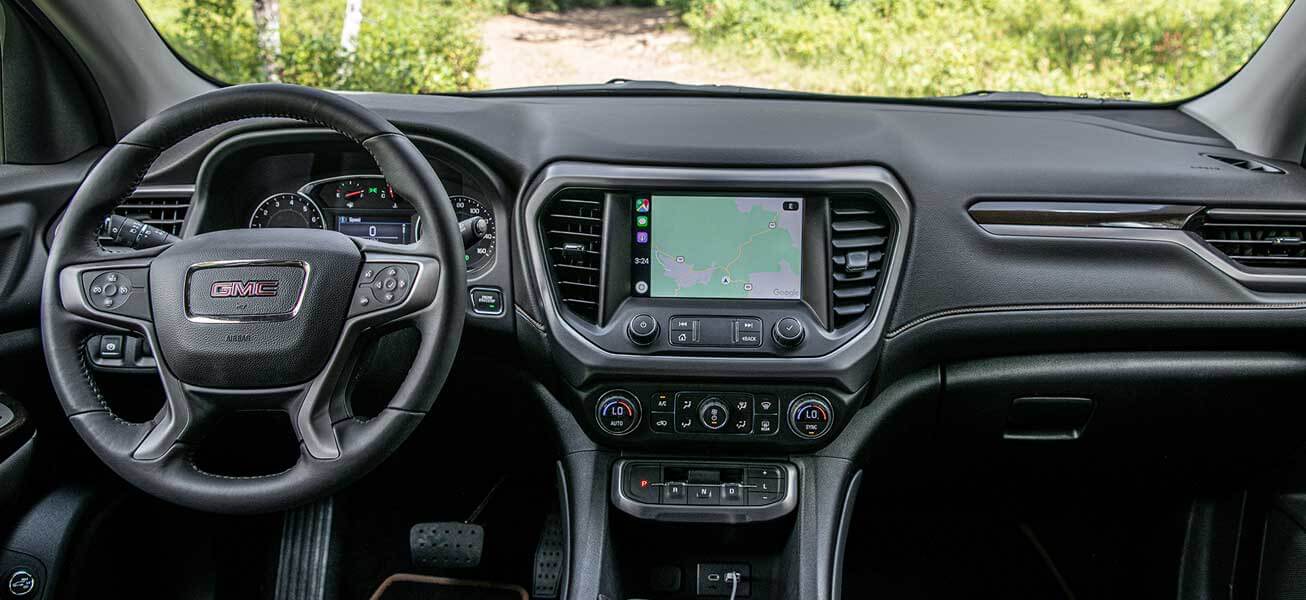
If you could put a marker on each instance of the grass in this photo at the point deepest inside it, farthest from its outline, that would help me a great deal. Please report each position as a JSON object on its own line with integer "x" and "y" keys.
{"x": 1155, "y": 50}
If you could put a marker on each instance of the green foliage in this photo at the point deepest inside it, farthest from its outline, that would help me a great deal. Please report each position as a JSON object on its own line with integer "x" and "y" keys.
{"x": 409, "y": 46}
{"x": 525, "y": 6}
{"x": 1140, "y": 49}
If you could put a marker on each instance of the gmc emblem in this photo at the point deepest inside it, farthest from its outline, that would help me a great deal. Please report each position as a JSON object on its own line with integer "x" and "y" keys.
{"x": 243, "y": 289}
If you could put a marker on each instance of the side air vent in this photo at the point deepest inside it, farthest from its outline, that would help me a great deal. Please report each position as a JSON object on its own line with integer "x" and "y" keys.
{"x": 1247, "y": 164}
{"x": 1257, "y": 238}
{"x": 573, "y": 232}
{"x": 859, "y": 237}
{"x": 164, "y": 208}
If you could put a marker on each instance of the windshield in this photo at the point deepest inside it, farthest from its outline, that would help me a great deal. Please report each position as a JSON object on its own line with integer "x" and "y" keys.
{"x": 1153, "y": 50}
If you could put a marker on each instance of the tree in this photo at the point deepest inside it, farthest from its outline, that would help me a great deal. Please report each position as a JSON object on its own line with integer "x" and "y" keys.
{"x": 349, "y": 39}
{"x": 267, "y": 21}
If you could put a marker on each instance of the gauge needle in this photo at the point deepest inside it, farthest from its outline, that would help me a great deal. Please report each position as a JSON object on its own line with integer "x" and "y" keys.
{"x": 354, "y": 193}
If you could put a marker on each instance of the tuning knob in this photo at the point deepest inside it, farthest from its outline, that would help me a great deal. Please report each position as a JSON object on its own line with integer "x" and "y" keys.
{"x": 788, "y": 332}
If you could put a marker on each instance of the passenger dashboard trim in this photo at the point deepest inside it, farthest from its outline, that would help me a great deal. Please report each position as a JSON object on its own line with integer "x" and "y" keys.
{"x": 848, "y": 365}
{"x": 1269, "y": 280}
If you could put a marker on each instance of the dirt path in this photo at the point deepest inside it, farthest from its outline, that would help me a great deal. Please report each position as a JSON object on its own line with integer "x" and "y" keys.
{"x": 594, "y": 46}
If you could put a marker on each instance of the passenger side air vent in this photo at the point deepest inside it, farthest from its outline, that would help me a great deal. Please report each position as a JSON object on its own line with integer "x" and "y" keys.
{"x": 859, "y": 238}
{"x": 573, "y": 232}
{"x": 1257, "y": 238}
{"x": 1247, "y": 164}
{"x": 164, "y": 208}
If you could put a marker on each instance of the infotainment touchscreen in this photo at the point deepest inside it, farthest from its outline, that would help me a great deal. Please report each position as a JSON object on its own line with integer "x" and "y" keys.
{"x": 713, "y": 246}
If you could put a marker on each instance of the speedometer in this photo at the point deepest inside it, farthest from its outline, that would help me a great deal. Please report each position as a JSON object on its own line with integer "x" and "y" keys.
{"x": 287, "y": 210}
{"x": 476, "y": 221}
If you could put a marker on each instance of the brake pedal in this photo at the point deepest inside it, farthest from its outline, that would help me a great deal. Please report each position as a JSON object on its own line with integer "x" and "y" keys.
{"x": 446, "y": 545}
{"x": 550, "y": 558}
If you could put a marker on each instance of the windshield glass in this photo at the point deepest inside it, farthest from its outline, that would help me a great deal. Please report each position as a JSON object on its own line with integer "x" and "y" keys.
{"x": 1153, "y": 50}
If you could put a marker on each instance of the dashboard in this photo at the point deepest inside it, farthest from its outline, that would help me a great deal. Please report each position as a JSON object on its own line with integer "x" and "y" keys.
{"x": 727, "y": 286}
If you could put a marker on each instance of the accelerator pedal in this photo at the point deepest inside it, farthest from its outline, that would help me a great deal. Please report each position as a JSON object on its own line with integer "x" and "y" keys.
{"x": 550, "y": 558}
{"x": 450, "y": 545}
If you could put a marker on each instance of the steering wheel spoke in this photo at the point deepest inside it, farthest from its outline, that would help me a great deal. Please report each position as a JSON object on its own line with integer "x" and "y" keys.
{"x": 110, "y": 292}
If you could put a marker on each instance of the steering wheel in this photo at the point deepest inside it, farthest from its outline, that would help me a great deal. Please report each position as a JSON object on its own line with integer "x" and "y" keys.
{"x": 252, "y": 319}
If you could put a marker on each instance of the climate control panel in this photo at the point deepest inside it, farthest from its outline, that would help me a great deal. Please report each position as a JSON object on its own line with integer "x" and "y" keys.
{"x": 774, "y": 416}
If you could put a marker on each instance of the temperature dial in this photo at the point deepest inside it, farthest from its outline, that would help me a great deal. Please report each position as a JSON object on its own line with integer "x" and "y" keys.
{"x": 618, "y": 412}
{"x": 811, "y": 416}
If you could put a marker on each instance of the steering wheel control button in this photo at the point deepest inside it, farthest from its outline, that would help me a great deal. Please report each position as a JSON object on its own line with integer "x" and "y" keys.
{"x": 111, "y": 346}
{"x": 618, "y": 412}
{"x": 788, "y": 332}
{"x": 642, "y": 329}
{"x": 487, "y": 301}
{"x": 811, "y": 416}
{"x": 381, "y": 286}
{"x": 21, "y": 583}
{"x": 119, "y": 291}
{"x": 714, "y": 414}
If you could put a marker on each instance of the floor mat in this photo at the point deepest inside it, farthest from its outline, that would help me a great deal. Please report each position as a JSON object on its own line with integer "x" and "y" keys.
{"x": 404, "y": 586}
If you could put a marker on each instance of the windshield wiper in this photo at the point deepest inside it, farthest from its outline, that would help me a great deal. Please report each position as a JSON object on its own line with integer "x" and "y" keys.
{"x": 649, "y": 87}
{"x": 1033, "y": 99}
{"x": 620, "y": 86}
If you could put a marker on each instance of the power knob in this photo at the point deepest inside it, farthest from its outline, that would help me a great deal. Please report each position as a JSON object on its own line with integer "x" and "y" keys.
{"x": 642, "y": 329}
{"x": 617, "y": 412}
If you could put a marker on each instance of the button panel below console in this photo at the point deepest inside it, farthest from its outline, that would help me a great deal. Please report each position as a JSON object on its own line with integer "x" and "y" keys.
{"x": 694, "y": 484}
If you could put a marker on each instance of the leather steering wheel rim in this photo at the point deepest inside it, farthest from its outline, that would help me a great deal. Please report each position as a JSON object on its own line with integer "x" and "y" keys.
{"x": 336, "y": 447}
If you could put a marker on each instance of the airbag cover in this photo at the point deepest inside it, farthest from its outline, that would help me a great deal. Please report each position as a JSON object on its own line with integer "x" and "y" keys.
{"x": 252, "y": 308}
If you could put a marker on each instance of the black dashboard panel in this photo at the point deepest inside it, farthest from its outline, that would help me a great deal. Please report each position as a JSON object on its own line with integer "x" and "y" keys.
{"x": 962, "y": 291}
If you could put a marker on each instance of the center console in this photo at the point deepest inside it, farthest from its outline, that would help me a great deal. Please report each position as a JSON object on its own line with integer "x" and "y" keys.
{"x": 709, "y": 329}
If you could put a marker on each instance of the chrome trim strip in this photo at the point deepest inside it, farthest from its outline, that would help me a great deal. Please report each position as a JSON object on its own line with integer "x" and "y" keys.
{"x": 690, "y": 513}
{"x": 1132, "y": 215}
{"x": 265, "y": 318}
{"x": 1263, "y": 279}
{"x": 163, "y": 191}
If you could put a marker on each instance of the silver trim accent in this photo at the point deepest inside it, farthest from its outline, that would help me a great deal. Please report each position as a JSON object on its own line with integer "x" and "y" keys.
{"x": 853, "y": 178}
{"x": 1272, "y": 280}
{"x": 1132, "y": 215}
{"x": 689, "y": 513}
{"x": 284, "y": 316}
{"x": 163, "y": 191}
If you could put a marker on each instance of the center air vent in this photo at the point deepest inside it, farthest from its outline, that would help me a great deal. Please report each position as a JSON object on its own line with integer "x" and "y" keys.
{"x": 164, "y": 208}
{"x": 1257, "y": 238}
{"x": 859, "y": 237}
{"x": 573, "y": 233}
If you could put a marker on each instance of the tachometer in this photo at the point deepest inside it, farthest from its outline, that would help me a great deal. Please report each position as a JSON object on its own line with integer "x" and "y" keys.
{"x": 287, "y": 210}
{"x": 476, "y": 222}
